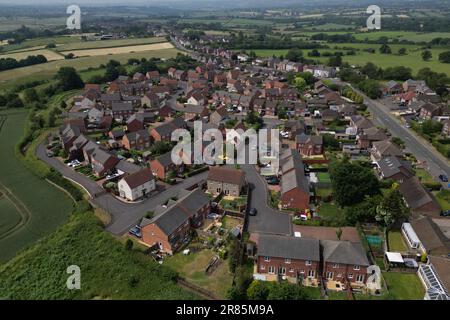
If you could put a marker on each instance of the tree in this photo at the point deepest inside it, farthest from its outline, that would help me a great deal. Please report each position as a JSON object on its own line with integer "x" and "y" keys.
{"x": 287, "y": 291}
{"x": 308, "y": 77}
{"x": 426, "y": 55}
{"x": 371, "y": 87}
{"x": 385, "y": 49}
{"x": 3, "y": 101}
{"x": 444, "y": 57}
{"x": 335, "y": 61}
{"x": 314, "y": 53}
{"x": 399, "y": 142}
{"x": 362, "y": 212}
{"x": 258, "y": 290}
{"x": 370, "y": 70}
{"x": 294, "y": 55}
{"x": 300, "y": 83}
{"x": 30, "y": 95}
{"x": 402, "y": 51}
{"x": 352, "y": 182}
{"x": 69, "y": 79}
{"x": 391, "y": 208}
{"x": 330, "y": 142}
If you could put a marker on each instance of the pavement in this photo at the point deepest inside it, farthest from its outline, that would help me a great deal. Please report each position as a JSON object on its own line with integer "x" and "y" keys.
{"x": 123, "y": 215}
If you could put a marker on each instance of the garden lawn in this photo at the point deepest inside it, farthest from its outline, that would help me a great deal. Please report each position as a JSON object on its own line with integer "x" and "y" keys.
{"x": 192, "y": 267}
{"x": 108, "y": 270}
{"x": 404, "y": 286}
{"x": 331, "y": 212}
{"x": 396, "y": 243}
{"x": 443, "y": 197}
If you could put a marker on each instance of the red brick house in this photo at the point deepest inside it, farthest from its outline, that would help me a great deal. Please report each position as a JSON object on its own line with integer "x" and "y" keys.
{"x": 429, "y": 110}
{"x": 309, "y": 145}
{"x": 295, "y": 193}
{"x": 134, "y": 124}
{"x": 138, "y": 140}
{"x": 284, "y": 257}
{"x": 162, "y": 165}
{"x": 164, "y": 131}
{"x": 173, "y": 224}
{"x": 344, "y": 264}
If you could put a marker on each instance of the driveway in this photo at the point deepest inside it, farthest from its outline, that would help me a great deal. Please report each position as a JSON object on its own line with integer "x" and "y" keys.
{"x": 123, "y": 215}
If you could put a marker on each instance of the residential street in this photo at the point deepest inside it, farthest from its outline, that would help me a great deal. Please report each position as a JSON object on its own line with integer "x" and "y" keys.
{"x": 267, "y": 220}
{"x": 123, "y": 215}
{"x": 421, "y": 149}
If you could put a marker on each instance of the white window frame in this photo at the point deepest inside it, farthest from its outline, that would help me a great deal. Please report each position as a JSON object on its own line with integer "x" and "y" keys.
{"x": 311, "y": 273}
{"x": 287, "y": 260}
{"x": 266, "y": 259}
{"x": 350, "y": 275}
{"x": 330, "y": 275}
{"x": 335, "y": 265}
{"x": 356, "y": 267}
{"x": 271, "y": 270}
{"x": 358, "y": 277}
{"x": 308, "y": 262}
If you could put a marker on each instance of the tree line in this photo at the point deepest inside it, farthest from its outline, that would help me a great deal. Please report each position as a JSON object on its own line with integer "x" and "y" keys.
{"x": 11, "y": 63}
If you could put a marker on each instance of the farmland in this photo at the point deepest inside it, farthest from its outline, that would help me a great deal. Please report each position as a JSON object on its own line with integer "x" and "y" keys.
{"x": 108, "y": 43}
{"x": 27, "y": 192}
{"x": 411, "y": 60}
{"x": 119, "y": 50}
{"x": 46, "y": 71}
{"x": 49, "y": 54}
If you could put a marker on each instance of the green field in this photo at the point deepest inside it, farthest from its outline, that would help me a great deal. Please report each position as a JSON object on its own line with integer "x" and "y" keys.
{"x": 46, "y": 71}
{"x": 109, "y": 43}
{"x": 108, "y": 270}
{"x": 9, "y": 216}
{"x": 43, "y": 207}
{"x": 411, "y": 60}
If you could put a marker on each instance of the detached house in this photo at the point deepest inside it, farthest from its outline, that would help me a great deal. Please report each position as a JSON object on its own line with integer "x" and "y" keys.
{"x": 225, "y": 180}
{"x": 283, "y": 257}
{"x": 173, "y": 224}
{"x": 309, "y": 145}
{"x": 137, "y": 185}
{"x": 164, "y": 131}
{"x": 429, "y": 110}
{"x": 102, "y": 162}
{"x": 138, "y": 140}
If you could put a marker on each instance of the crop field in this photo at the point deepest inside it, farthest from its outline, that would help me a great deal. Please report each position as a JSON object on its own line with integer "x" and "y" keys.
{"x": 119, "y": 50}
{"x": 42, "y": 42}
{"x": 49, "y": 54}
{"x": 46, "y": 71}
{"x": 109, "y": 43}
{"x": 32, "y": 207}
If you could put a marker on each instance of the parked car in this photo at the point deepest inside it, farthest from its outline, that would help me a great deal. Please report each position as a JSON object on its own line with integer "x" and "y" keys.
{"x": 273, "y": 181}
{"x": 136, "y": 231}
{"x": 74, "y": 163}
{"x": 445, "y": 213}
{"x": 252, "y": 212}
{"x": 443, "y": 178}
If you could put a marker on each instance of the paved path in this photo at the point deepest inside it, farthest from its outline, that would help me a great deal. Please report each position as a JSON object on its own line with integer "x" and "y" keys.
{"x": 123, "y": 215}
